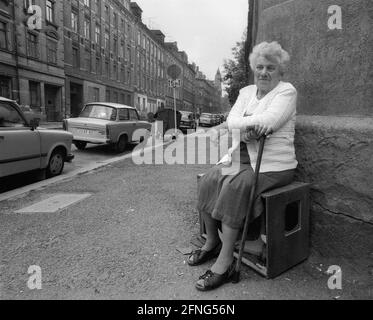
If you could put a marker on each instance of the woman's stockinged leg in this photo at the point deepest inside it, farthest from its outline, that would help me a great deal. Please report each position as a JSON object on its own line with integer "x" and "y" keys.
{"x": 225, "y": 258}
{"x": 212, "y": 235}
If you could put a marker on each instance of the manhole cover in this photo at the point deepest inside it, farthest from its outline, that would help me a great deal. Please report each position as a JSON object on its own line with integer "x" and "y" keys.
{"x": 55, "y": 203}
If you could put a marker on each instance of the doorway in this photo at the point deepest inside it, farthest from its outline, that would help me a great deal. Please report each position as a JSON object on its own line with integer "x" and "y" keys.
{"x": 76, "y": 99}
{"x": 52, "y": 102}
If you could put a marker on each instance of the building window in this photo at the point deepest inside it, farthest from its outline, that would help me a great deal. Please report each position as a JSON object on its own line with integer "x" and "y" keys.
{"x": 122, "y": 75}
{"x": 115, "y": 71}
{"x": 129, "y": 54}
{"x": 3, "y": 36}
{"x": 115, "y": 96}
{"x": 49, "y": 10}
{"x": 32, "y": 45}
{"x": 98, "y": 7}
{"x": 115, "y": 45}
{"x": 107, "y": 15}
{"x": 87, "y": 3}
{"x": 107, "y": 96}
{"x": 52, "y": 51}
{"x": 76, "y": 57}
{"x": 107, "y": 40}
{"x": 122, "y": 49}
{"x": 5, "y": 87}
{"x": 28, "y": 3}
{"x": 74, "y": 21}
{"x": 34, "y": 94}
{"x": 87, "y": 28}
{"x": 129, "y": 30}
{"x": 97, "y": 34}
{"x": 96, "y": 94}
{"x": 107, "y": 71}
{"x": 115, "y": 19}
{"x": 87, "y": 59}
{"x": 98, "y": 65}
{"x": 128, "y": 77}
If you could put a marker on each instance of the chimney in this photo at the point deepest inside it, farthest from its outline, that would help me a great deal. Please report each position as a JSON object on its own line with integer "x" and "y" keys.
{"x": 136, "y": 10}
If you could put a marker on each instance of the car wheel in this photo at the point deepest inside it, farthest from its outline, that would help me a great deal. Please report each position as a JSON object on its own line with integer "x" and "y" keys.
{"x": 80, "y": 144}
{"x": 56, "y": 164}
{"x": 121, "y": 144}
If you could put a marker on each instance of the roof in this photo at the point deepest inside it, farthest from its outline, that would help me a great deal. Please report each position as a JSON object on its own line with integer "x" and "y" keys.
{"x": 113, "y": 105}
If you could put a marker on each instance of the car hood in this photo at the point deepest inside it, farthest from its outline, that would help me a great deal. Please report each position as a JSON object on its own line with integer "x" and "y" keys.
{"x": 54, "y": 131}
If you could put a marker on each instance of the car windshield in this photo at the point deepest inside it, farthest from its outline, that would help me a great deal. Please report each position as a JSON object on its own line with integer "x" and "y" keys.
{"x": 99, "y": 112}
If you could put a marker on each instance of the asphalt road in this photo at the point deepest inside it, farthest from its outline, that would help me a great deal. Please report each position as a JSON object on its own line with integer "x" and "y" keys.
{"x": 121, "y": 243}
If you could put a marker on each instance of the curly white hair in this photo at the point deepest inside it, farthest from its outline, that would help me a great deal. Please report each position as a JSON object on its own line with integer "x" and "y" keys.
{"x": 271, "y": 51}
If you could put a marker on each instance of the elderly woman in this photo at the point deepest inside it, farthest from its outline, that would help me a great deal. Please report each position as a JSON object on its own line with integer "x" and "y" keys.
{"x": 268, "y": 106}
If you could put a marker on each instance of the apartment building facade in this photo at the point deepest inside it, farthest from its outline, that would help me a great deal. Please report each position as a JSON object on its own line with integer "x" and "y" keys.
{"x": 32, "y": 55}
{"x": 150, "y": 78}
{"x": 99, "y": 52}
{"x": 58, "y": 55}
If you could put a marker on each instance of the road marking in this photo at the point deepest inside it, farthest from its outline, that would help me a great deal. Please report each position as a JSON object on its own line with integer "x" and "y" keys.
{"x": 55, "y": 203}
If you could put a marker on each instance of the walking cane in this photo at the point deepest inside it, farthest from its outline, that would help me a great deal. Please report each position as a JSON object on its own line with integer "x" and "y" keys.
{"x": 236, "y": 275}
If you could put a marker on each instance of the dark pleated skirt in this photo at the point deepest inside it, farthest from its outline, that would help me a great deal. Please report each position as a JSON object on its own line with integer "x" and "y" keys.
{"x": 226, "y": 197}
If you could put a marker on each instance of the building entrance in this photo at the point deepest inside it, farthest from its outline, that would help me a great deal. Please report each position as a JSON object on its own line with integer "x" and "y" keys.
{"x": 76, "y": 99}
{"x": 52, "y": 102}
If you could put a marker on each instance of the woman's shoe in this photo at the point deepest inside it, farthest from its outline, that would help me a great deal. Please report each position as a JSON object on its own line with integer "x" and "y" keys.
{"x": 200, "y": 256}
{"x": 212, "y": 280}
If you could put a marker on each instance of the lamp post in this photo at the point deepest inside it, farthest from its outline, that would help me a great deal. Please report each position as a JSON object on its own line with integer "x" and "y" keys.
{"x": 174, "y": 72}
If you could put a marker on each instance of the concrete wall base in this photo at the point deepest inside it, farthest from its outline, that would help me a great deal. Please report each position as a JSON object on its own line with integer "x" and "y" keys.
{"x": 335, "y": 154}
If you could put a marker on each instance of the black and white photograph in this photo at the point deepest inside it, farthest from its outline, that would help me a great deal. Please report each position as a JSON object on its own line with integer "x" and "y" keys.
{"x": 190, "y": 156}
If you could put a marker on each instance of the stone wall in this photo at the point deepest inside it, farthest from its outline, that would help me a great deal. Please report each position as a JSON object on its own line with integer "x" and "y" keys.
{"x": 332, "y": 71}
{"x": 335, "y": 154}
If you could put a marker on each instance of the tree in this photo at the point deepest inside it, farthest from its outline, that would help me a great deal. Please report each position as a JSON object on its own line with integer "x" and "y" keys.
{"x": 235, "y": 76}
{"x": 237, "y": 71}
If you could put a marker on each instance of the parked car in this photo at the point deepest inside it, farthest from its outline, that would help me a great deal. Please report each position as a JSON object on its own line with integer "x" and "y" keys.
{"x": 222, "y": 117}
{"x": 217, "y": 119}
{"x": 25, "y": 147}
{"x": 107, "y": 123}
{"x": 207, "y": 120}
{"x": 188, "y": 120}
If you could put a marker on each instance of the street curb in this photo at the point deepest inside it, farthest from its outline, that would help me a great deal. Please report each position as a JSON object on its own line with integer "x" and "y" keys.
{"x": 42, "y": 184}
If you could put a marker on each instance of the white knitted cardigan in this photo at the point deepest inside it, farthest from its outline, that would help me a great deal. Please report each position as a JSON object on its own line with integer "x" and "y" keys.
{"x": 277, "y": 109}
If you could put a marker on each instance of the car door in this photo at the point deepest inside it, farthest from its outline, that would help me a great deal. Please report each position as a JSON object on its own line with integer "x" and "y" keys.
{"x": 133, "y": 125}
{"x": 19, "y": 145}
{"x": 141, "y": 129}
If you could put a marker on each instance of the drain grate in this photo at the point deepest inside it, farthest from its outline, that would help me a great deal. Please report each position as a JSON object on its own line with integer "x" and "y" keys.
{"x": 55, "y": 203}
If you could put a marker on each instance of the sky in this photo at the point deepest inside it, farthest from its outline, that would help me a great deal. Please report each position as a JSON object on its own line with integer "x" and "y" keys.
{"x": 206, "y": 30}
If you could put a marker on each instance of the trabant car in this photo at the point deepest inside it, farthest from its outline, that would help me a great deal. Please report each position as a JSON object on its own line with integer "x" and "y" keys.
{"x": 26, "y": 147}
{"x": 107, "y": 123}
